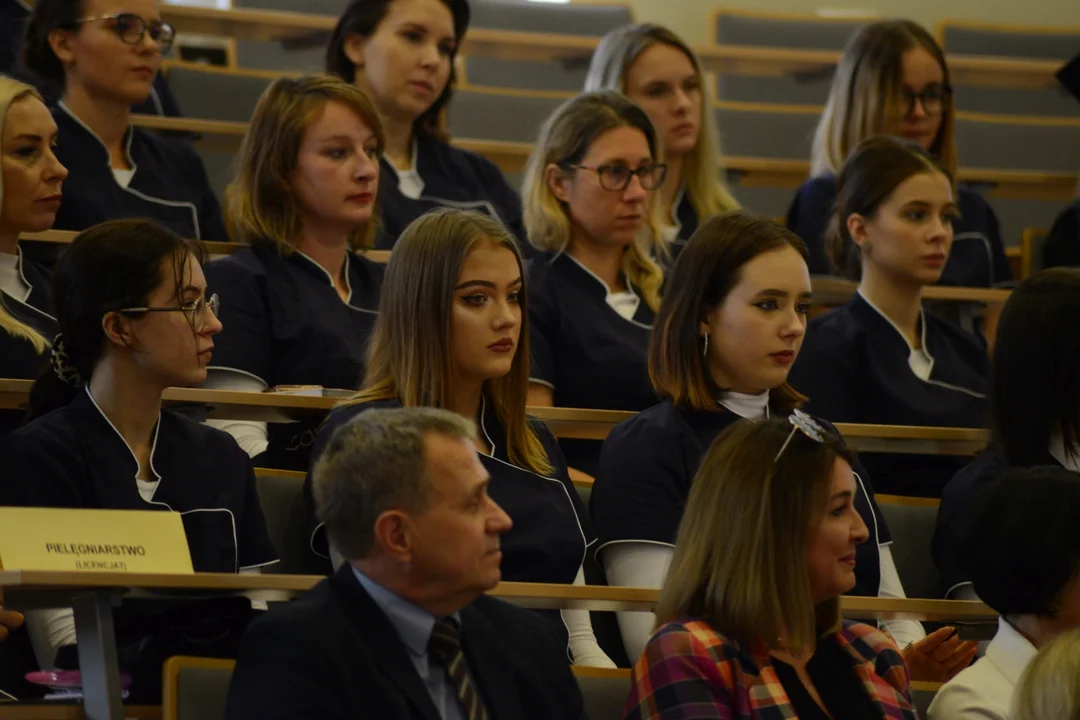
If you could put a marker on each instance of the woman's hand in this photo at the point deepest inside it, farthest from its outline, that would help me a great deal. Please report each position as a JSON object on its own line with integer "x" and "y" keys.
{"x": 939, "y": 656}
{"x": 9, "y": 619}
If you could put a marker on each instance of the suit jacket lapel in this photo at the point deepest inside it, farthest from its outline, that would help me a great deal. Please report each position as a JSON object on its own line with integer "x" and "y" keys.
{"x": 491, "y": 667}
{"x": 386, "y": 648}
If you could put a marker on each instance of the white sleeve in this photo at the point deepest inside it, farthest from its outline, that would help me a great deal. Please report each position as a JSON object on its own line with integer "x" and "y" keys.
{"x": 902, "y": 631}
{"x": 49, "y": 631}
{"x": 255, "y": 604}
{"x": 250, "y": 435}
{"x": 636, "y": 564}
{"x": 583, "y": 646}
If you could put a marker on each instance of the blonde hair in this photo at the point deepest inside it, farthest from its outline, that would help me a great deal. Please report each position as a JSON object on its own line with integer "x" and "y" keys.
{"x": 11, "y": 91}
{"x": 564, "y": 140}
{"x": 1050, "y": 686}
{"x": 740, "y": 555}
{"x": 702, "y": 173}
{"x": 409, "y": 355}
{"x": 262, "y": 207}
{"x": 866, "y": 92}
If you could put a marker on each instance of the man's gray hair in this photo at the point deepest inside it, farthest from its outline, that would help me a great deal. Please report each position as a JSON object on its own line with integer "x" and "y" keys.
{"x": 375, "y": 463}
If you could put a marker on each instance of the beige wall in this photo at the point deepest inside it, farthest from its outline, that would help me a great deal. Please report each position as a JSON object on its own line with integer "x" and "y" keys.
{"x": 690, "y": 18}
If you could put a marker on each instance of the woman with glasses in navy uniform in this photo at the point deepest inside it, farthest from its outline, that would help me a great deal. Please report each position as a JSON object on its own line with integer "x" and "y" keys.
{"x": 105, "y": 54}
{"x": 590, "y": 206}
{"x": 134, "y": 319}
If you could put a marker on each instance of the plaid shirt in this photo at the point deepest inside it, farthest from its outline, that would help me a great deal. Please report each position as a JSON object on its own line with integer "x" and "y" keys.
{"x": 690, "y": 672}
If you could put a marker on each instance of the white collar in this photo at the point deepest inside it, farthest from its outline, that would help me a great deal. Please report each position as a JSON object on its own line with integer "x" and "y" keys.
{"x": 1010, "y": 652}
{"x": 1057, "y": 451}
{"x": 750, "y": 407}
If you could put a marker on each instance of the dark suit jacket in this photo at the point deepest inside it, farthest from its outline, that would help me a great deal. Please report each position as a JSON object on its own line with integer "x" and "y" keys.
{"x": 333, "y": 654}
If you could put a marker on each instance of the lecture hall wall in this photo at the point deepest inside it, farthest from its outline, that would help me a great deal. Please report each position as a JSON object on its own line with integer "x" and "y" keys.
{"x": 687, "y": 17}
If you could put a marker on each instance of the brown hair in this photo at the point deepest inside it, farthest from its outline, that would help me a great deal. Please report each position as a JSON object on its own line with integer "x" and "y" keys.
{"x": 740, "y": 555}
{"x": 564, "y": 140}
{"x": 866, "y": 91}
{"x": 612, "y": 60}
{"x": 869, "y": 176}
{"x": 409, "y": 356}
{"x": 261, "y": 205}
{"x": 707, "y": 269}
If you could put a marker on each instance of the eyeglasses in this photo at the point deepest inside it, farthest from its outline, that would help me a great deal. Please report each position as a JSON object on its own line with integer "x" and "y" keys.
{"x": 131, "y": 28}
{"x": 809, "y": 427}
{"x": 616, "y": 178}
{"x": 933, "y": 99}
{"x": 195, "y": 312}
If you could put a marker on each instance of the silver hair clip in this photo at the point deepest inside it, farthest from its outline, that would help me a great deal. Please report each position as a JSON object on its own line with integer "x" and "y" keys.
{"x": 810, "y": 427}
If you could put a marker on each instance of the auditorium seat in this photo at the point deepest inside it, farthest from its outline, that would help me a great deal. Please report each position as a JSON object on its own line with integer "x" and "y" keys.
{"x": 806, "y": 32}
{"x": 991, "y": 143}
{"x": 195, "y": 688}
{"x": 763, "y": 200}
{"x": 1041, "y": 101}
{"x": 209, "y": 94}
{"x": 605, "y": 691}
{"x": 911, "y": 522}
{"x": 489, "y": 115}
{"x": 281, "y": 494}
{"x": 1016, "y": 214}
{"x": 1047, "y": 43}
{"x": 1031, "y": 251}
{"x": 780, "y": 133}
{"x": 808, "y": 89}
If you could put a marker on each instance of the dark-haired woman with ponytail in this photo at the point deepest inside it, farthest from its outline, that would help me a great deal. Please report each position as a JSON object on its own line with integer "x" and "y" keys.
{"x": 882, "y": 359}
{"x": 134, "y": 319}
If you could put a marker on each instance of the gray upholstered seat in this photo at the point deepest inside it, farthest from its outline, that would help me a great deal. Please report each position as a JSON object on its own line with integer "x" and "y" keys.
{"x": 494, "y": 116}
{"x": 196, "y": 688}
{"x": 282, "y": 500}
{"x": 1046, "y": 101}
{"x": 1012, "y": 146}
{"x": 808, "y": 34}
{"x": 912, "y": 528}
{"x": 1011, "y": 43}
{"x": 755, "y": 133}
{"x": 214, "y": 95}
{"x": 604, "y": 695}
{"x": 783, "y": 89}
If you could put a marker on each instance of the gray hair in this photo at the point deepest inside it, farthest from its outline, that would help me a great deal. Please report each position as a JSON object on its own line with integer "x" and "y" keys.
{"x": 375, "y": 463}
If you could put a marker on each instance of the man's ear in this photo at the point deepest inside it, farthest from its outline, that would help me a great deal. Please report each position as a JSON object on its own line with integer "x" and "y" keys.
{"x": 557, "y": 181}
{"x": 394, "y": 535}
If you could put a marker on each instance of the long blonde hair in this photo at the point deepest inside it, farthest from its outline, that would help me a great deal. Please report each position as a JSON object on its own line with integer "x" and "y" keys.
{"x": 261, "y": 206}
{"x": 11, "y": 91}
{"x": 740, "y": 555}
{"x": 564, "y": 139}
{"x": 702, "y": 173}
{"x": 1050, "y": 686}
{"x": 409, "y": 355}
{"x": 866, "y": 91}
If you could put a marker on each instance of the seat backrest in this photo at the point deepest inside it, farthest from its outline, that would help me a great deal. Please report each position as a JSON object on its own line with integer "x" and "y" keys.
{"x": 255, "y": 55}
{"x": 567, "y": 76}
{"x": 1045, "y": 43}
{"x": 766, "y": 134}
{"x": 499, "y": 116}
{"x": 309, "y": 7}
{"x": 1015, "y": 214}
{"x": 1031, "y": 251}
{"x": 562, "y": 19}
{"x": 214, "y": 95}
{"x": 781, "y": 89}
{"x": 911, "y": 522}
{"x": 805, "y": 33}
{"x": 195, "y": 688}
{"x": 281, "y": 494}
{"x": 1015, "y": 146}
{"x": 605, "y": 692}
{"x": 1039, "y": 101}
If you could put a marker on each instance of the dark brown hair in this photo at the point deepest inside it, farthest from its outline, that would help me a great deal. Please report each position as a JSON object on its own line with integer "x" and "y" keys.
{"x": 37, "y": 53}
{"x": 875, "y": 168}
{"x": 362, "y": 17}
{"x": 707, "y": 269}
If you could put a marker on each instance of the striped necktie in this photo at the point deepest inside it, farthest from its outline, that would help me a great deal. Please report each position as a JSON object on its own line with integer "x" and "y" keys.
{"x": 445, "y": 647}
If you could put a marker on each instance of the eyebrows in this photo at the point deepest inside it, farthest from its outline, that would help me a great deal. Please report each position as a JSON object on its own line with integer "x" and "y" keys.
{"x": 842, "y": 495}
{"x": 782, "y": 294}
{"x": 416, "y": 25}
{"x": 951, "y": 206}
{"x": 346, "y": 138}
{"x": 486, "y": 284}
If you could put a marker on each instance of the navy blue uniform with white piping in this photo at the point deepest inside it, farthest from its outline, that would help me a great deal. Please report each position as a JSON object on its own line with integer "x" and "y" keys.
{"x": 647, "y": 467}
{"x": 169, "y": 186}
{"x": 583, "y": 349}
{"x": 854, "y": 366}
{"x": 284, "y": 323}
{"x": 74, "y": 457}
{"x": 18, "y": 359}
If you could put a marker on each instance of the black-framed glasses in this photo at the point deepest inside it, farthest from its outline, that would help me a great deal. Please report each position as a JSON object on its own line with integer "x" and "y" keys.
{"x": 195, "y": 311}
{"x": 616, "y": 178}
{"x": 933, "y": 99}
{"x": 131, "y": 28}
{"x": 808, "y": 426}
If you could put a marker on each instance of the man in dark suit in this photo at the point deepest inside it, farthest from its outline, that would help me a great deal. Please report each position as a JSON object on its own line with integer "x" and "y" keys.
{"x": 403, "y": 631}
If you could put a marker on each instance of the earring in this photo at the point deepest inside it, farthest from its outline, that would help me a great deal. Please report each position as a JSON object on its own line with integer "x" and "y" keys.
{"x": 705, "y": 350}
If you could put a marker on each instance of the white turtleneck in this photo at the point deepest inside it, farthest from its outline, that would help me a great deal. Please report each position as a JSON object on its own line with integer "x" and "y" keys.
{"x": 749, "y": 407}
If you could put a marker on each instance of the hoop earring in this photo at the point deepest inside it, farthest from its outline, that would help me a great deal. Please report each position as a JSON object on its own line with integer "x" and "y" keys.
{"x": 705, "y": 350}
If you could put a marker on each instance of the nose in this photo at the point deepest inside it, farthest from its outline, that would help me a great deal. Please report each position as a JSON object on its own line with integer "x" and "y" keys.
{"x": 682, "y": 101}
{"x": 941, "y": 232}
{"x": 367, "y": 168}
{"x": 430, "y": 56}
{"x": 859, "y": 531}
{"x": 54, "y": 169}
{"x": 211, "y": 324}
{"x": 498, "y": 521}
{"x": 635, "y": 191}
{"x": 794, "y": 325}
{"x": 916, "y": 110}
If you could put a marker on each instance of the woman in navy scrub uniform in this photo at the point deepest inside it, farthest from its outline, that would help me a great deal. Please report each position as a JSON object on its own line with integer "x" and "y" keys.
{"x": 661, "y": 74}
{"x": 453, "y": 334}
{"x": 594, "y": 291}
{"x": 881, "y": 358}
{"x": 299, "y": 304}
{"x": 30, "y": 182}
{"x": 727, "y": 332}
{"x": 134, "y": 320}
{"x": 105, "y": 55}
{"x": 1034, "y": 406}
{"x": 893, "y": 80}
{"x": 401, "y": 53}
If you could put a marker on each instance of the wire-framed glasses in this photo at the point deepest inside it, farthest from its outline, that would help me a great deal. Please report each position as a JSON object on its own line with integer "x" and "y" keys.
{"x": 131, "y": 29}
{"x": 196, "y": 312}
